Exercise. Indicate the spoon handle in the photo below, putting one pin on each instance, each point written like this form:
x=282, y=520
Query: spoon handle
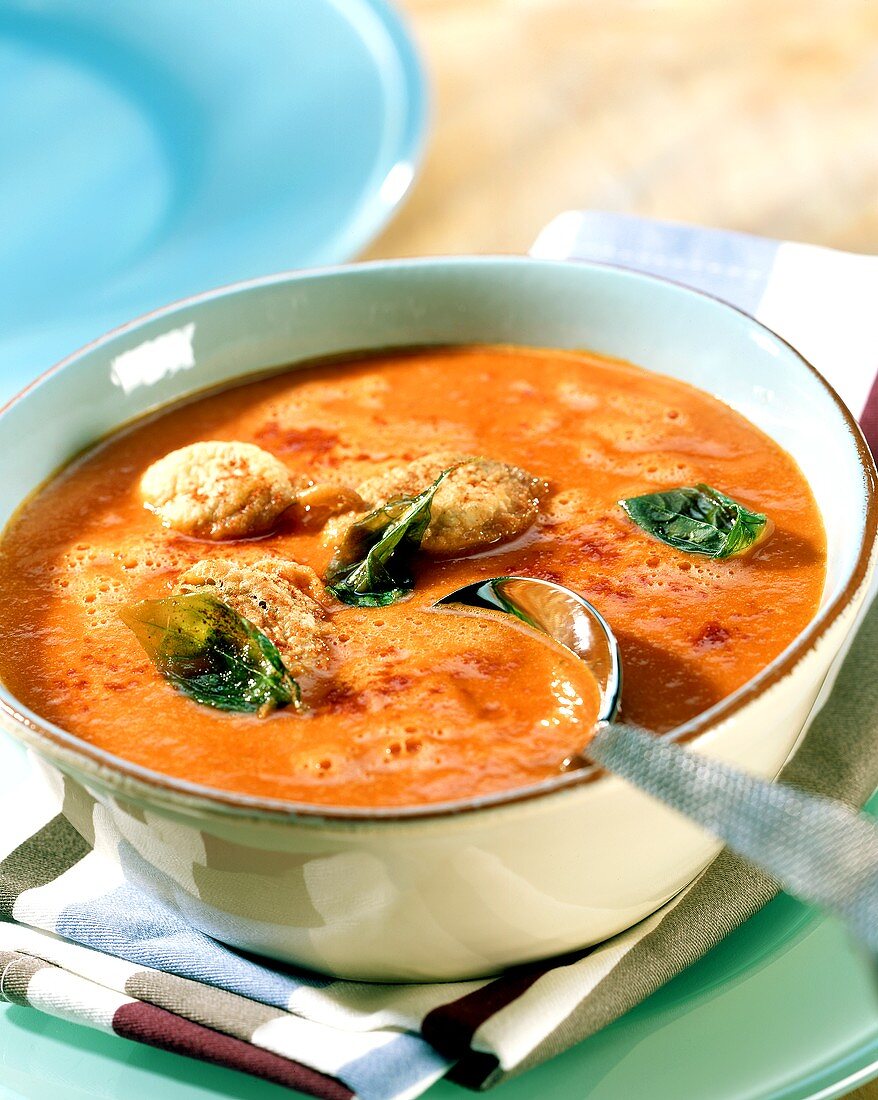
x=820, y=850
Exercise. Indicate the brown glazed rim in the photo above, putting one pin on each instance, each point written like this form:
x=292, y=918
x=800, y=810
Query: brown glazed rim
x=140, y=782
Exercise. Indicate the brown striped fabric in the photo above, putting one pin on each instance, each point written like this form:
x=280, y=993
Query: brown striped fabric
x=202, y=1004
x=869, y=417
x=450, y=1027
x=39, y=860
x=16, y=971
x=158, y=1028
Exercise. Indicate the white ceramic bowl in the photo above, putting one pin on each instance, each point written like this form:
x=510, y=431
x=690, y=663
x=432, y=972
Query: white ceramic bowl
x=468, y=888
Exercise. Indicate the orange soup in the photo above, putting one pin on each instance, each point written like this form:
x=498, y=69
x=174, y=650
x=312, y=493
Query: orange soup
x=403, y=704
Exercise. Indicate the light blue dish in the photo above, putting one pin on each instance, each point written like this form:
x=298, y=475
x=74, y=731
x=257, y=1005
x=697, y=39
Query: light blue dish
x=153, y=150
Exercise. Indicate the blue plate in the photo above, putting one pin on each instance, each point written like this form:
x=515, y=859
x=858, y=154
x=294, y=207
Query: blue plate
x=153, y=150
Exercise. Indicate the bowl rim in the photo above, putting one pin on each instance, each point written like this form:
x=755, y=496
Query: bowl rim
x=67, y=750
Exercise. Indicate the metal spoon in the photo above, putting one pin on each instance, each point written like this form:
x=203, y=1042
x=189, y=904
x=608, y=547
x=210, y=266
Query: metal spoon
x=818, y=849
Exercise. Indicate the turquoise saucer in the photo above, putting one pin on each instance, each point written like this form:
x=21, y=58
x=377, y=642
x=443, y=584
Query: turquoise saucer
x=149, y=151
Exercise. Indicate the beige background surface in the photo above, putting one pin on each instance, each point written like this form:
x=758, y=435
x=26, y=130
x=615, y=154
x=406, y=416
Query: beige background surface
x=760, y=115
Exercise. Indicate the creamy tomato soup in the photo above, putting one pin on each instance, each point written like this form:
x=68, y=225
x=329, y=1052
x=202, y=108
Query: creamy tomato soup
x=248, y=495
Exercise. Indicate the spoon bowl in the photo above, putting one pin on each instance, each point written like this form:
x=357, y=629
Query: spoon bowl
x=562, y=614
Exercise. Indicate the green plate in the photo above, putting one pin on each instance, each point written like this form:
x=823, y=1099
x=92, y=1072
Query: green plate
x=784, y=1009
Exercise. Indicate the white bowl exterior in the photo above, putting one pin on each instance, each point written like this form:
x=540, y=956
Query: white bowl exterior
x=468, y=894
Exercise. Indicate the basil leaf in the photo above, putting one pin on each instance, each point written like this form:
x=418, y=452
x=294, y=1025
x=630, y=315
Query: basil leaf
x=211, y=653
x=698, y=521
x=372, y=567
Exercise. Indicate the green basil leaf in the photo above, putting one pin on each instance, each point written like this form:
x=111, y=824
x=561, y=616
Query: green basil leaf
x=372, y=567
x=211, y=653
x=698, y=521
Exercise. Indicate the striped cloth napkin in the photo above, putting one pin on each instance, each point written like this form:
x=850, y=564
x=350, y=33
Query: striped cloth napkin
x=78, y=942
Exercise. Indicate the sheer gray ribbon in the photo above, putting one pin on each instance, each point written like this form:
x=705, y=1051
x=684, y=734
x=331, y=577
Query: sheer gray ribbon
x=819, y=850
